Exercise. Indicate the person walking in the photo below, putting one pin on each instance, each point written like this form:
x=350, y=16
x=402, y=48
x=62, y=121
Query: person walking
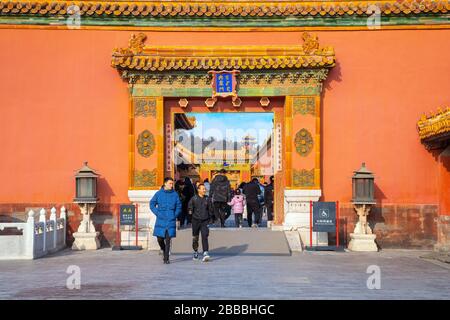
x=166, y=205
x=268, y=201
x=220, y=194
x=179, y=189
x=188, y=193
x=238, y=205
x=199, y=210
x=207, y=186
x=252, y=191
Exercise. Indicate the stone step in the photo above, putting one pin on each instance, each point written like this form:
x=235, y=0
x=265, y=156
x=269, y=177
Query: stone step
x=234, y=241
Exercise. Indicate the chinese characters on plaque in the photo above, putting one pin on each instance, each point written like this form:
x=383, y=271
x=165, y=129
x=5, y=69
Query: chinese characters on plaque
x=224, y=84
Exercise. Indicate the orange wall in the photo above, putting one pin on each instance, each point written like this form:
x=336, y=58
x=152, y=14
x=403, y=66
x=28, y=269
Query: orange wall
x=61, y=103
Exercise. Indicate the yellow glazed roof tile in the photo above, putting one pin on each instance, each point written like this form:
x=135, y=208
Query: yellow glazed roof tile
x=162, y=58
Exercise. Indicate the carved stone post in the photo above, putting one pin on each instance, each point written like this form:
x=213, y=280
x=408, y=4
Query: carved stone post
x=86, y=238
x=362, y=238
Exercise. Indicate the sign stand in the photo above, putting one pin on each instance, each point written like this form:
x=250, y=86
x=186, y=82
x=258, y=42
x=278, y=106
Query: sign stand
x=128, y=216
x=324, y=209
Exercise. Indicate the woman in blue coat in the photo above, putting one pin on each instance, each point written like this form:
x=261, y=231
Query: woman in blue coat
x=166, y=205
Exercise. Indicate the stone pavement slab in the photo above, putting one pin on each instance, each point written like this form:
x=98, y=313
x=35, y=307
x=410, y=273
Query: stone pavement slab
x=235, y=241
x=107, y=274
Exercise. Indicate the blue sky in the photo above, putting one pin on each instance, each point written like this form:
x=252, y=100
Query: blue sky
x=233, y=126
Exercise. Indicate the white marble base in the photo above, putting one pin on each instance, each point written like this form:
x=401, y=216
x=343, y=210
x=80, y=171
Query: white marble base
x=297, y=215
x=146, y=220
x=145, y=239
x=86, y=241
x=294, y=241
x=362, y=242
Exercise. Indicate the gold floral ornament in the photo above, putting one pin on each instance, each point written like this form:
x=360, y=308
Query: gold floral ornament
x=304, y=178
x=145, y=178
x=303, y=142
x=144, y=107
x=304, y=105
x=145, y=143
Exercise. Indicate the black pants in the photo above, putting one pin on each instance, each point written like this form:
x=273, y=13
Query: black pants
x=220, y=211
x=269, y=212
x=238, y=219
x=198, y=227
x=253, y=208
x=164, y=244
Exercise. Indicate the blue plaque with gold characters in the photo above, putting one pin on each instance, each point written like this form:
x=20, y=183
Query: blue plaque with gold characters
x=224, y=83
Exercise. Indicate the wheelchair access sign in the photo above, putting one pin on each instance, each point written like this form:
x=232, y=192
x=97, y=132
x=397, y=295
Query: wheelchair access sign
x=324, y=216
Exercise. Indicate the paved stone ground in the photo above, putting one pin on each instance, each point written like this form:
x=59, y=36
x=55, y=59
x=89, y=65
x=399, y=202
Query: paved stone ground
x=107, y=274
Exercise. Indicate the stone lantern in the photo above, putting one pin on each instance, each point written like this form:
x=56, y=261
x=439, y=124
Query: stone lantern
x=363, y=199
x=86, y=238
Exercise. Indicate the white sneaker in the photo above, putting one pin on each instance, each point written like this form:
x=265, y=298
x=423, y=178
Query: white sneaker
x=206, y=256
x=195, y=256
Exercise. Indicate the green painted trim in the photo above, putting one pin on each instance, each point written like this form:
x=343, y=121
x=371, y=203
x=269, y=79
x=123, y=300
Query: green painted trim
x=236, y=22
x=150, y=91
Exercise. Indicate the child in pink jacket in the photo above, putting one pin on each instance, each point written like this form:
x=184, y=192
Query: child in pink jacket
x=238, y=204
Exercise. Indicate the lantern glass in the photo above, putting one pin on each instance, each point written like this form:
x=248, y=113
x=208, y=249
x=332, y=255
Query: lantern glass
x=363, y=189
x=86, y=187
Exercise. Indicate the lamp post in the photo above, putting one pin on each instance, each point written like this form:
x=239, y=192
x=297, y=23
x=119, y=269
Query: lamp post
x=86, y=238
x=363, y=199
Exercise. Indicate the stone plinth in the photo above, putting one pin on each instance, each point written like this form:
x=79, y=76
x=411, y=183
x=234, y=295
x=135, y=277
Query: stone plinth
x=86, y=241
x=146, y=219
x=297, y=215
x=86, y=238
x=362, y=238
x=362, y=242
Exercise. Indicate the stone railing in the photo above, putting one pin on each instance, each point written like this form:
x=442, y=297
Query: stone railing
x=37, y=239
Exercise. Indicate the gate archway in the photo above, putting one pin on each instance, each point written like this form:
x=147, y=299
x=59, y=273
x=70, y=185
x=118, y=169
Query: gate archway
x=157, y=75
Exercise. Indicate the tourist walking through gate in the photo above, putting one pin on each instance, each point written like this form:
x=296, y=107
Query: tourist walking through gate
x=200, y=211
x=252, y=191
x=238, y=205
x=268, y=201
x=207, y=186
x=188, y=193
x=166, y=205
x=220, y=194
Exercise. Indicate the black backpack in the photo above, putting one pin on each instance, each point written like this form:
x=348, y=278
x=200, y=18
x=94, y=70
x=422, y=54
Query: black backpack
x=221, y=190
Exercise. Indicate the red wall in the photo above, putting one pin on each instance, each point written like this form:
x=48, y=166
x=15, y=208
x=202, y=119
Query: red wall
x=62, y=103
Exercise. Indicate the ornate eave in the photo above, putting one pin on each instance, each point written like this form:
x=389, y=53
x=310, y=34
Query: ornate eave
x=181, y=67
x=434, y=129
x=238, y=14
x=205, y=8
x=137, y=56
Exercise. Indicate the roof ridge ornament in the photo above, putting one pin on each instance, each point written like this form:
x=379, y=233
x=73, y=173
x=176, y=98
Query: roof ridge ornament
x=310, y=43
x=136, y=45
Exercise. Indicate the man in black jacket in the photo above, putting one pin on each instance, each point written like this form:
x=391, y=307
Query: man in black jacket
x=220, y=194
x=268, y=201
x=251, y=191
x=199, y=210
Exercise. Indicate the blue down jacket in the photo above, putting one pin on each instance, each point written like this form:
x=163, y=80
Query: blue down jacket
x=166, y=205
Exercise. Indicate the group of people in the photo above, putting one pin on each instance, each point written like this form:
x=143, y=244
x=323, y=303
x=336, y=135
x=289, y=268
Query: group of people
x=202, y=204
